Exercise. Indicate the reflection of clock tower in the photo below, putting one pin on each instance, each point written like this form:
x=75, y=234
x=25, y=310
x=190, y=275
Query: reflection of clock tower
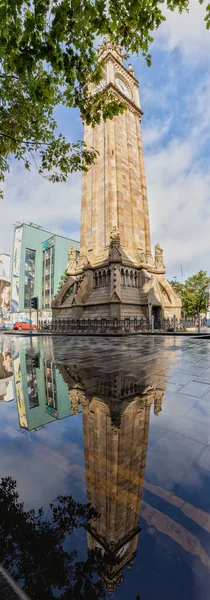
x=116, y=413
x=116, y=274
x=115, y=460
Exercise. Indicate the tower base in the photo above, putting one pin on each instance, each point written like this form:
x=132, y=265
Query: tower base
x=117, y=287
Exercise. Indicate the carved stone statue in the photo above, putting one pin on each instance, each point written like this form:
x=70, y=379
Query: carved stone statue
x=158, y=402
x=159, y=263
x=115, y=235
x=114, y=250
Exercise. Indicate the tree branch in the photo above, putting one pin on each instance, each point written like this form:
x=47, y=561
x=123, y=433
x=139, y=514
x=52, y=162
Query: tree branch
x=9, y=76
x=23, y=141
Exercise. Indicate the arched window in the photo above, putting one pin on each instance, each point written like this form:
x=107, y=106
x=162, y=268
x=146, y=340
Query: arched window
x=131, y=279
x=104, y=278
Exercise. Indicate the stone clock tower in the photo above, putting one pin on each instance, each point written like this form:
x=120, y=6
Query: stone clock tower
x=116, y=275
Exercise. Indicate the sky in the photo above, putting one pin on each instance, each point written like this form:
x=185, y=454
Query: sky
x=174, y=93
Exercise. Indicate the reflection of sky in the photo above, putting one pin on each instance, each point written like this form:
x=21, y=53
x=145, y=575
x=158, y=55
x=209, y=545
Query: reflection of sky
x=45, y=463
x=173, y=559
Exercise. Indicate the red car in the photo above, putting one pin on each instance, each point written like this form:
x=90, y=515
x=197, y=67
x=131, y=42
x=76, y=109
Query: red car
x=23, y=326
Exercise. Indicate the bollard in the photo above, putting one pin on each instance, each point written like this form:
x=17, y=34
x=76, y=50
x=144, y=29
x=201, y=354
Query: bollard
x=174, y=323
x=152, y=323
x=199, y=323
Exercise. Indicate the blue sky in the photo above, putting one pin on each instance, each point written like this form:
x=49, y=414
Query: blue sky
x=174, y=95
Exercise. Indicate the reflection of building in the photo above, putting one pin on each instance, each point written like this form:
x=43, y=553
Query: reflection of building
x=4, y=286
x=116, y=414
x=4, y=266
x=39, y=260
x=117, y=274
x=40, y=391
x=6, y=378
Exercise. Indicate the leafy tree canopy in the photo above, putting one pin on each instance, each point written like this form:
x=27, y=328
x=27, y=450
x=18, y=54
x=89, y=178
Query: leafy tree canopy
x=48, y=57
x=34, y=547
x=63, y=280
x=194, y=293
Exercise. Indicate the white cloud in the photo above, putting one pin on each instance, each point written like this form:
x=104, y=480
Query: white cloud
x=186, y=32
x=179, y=201
x=29, y=197
x=149, y=96
x=154, y=132
x=178, y=181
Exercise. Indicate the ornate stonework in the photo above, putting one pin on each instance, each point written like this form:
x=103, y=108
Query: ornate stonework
x=72, y=262
x=115, y=244
x=159, y=263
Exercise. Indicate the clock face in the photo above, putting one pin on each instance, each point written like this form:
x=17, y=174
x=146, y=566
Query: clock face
x=122, y=86
x=100, y=86
x=122, y=551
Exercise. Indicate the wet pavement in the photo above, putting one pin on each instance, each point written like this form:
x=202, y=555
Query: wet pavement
x=123, y=424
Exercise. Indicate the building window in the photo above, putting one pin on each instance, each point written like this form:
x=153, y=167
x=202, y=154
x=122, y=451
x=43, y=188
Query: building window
x=33, y=397
x=50, y=388
x=48, y=276
x=29, y=280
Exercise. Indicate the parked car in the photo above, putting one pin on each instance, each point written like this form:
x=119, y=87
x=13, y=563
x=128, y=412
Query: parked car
x=5, y=325
x=22, y=326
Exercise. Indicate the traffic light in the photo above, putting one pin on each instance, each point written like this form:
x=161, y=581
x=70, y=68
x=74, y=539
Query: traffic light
x=36, y=361
x=34, y=303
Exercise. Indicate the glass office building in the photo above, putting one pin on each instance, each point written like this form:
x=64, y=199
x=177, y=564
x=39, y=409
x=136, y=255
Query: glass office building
x=38, y=261
x=41, y=394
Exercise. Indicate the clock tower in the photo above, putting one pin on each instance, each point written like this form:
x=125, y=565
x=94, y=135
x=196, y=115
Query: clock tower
x=114, y=196
x=117, y=274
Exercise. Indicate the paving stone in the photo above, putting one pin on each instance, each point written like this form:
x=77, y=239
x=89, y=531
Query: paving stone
x=195, y=389
x=180, y=378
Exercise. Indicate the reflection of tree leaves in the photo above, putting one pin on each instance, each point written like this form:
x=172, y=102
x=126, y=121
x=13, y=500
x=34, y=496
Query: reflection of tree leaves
x=32, y=547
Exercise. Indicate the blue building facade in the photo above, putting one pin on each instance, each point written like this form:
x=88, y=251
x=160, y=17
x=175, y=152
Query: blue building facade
x=39, y=260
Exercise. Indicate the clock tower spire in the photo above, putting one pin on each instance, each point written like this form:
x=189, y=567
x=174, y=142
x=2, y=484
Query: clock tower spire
x=114, y=189
x=116, y=275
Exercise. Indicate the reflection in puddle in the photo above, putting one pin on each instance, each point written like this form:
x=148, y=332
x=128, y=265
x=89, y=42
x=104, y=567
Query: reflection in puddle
x=6, y=378
x=120, y=392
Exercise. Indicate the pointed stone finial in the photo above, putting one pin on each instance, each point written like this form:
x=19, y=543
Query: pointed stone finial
x=72, y=262
x=130, y=69
x=109, y=46
x=159, y=262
